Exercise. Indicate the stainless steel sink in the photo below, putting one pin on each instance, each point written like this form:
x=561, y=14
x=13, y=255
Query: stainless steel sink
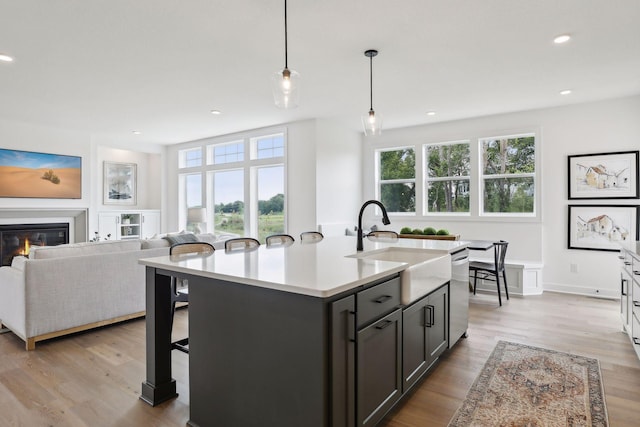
x=426, y=271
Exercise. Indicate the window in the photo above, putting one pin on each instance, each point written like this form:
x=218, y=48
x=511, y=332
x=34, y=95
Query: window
x=447, y=175
x=486, y=176
x=267, y=147
x=270, y=182
x=190, y=158
x=397, y=180
x=192, y=194
x=227, y=189
x=225, y=153
x=243, y=194
x=507, y=174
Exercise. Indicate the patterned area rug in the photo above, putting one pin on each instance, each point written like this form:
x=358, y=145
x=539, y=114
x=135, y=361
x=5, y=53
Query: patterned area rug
x=523, y=386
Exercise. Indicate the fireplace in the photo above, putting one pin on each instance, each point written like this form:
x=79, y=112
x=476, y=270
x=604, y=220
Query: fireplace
x=17, y=239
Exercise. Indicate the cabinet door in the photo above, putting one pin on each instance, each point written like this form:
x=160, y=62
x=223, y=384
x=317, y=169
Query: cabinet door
x=379, y=375
x=150, y=225
x=343, y=372
x=414, y=343
x=108, y=224
x=437, y=325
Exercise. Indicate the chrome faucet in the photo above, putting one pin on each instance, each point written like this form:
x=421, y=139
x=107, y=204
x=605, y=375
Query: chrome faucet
x=385, y=220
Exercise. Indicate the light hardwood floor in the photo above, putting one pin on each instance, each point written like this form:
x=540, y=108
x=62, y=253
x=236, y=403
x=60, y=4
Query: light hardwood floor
x=93, y=378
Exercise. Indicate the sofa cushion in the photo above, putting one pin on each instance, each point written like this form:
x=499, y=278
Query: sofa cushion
x=18, y=262
x=85, y=248
x=154, y=243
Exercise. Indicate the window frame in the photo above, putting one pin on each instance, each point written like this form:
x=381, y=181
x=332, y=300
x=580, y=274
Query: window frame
x=427, y=179
x=534, y=175
x=379, y=182
x=249, y=165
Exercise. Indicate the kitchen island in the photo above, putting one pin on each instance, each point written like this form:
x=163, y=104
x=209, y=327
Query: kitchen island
x=309, y=334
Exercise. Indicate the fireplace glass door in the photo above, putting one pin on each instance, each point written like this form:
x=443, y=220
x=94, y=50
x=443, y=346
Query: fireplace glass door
x=17, y=239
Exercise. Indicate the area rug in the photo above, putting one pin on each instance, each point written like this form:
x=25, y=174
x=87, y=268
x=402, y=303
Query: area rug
x=524, y=386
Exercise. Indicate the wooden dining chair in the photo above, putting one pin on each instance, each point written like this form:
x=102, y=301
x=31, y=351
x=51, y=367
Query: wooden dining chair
x=279, y=240
x=311, y=236
x=492, y=270
x=383, y=235
x=241, y=244
x=181, y=294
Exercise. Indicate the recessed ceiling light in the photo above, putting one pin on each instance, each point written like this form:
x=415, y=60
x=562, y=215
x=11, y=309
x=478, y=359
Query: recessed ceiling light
x=431, y=113
x=565, y=92
x=216, y=112
x=136, y=132
x=563, y=38
x=5, y=58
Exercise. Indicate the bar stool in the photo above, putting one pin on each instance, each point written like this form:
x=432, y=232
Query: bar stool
x=182, y=295
x=311, y=236
x=279, y=240
x=241, y=244
x=383, y=235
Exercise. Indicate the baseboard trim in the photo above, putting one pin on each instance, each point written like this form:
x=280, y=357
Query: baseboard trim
x=581, y=290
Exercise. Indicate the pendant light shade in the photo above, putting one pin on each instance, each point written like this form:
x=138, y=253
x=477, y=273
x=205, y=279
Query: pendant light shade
x=371, y=121
x=286, y=83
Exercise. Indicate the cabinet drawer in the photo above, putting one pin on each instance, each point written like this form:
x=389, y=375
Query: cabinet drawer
x=635, y=295
x=377, y=301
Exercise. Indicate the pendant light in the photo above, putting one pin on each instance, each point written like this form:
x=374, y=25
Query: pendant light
x=371, y=121
x=286, y=83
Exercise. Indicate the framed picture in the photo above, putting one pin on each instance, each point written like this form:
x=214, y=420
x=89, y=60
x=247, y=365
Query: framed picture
x=119, y=183
x=604, y=176
x=602, y=227
x=28, y=174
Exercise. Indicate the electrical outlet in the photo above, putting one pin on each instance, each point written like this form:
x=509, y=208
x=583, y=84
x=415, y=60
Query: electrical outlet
x=574, y=268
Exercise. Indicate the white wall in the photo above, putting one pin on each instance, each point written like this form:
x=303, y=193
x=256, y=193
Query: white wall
x=31, y=137
x=585, y=128
x=338, y=173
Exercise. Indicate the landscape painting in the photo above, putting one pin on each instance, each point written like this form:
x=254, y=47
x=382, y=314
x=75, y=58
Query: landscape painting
x=603, y=227
x=26, y=174
x=604, y=176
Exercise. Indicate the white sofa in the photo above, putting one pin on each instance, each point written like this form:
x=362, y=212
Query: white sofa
x=64, y=289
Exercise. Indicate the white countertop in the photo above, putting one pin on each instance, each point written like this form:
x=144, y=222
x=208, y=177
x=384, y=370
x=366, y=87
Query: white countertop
x=321, y=269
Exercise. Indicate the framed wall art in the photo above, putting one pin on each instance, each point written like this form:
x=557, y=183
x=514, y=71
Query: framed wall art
x=119, y=183
x=602, y=227
x=604, y=176
x=27, y=174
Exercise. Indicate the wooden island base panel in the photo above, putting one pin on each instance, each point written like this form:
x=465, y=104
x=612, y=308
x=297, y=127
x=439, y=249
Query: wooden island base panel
x=296, y=346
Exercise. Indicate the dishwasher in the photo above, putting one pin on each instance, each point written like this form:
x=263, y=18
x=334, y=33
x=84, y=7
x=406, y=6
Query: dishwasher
x=459, y=296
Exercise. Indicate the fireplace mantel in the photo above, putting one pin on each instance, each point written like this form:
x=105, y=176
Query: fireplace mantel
x=78, y=219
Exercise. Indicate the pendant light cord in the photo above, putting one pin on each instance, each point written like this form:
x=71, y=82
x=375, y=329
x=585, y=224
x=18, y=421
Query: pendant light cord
x=371, y=81
x=286, y=64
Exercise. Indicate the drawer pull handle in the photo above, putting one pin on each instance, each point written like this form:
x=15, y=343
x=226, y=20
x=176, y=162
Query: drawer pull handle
x=621, y=256
x=636, y=341
x=622, y=291
x=429, y=316
x=636, y=272
x=384, y=324
x=382, y=299
x=636, y=303
x=627, y=263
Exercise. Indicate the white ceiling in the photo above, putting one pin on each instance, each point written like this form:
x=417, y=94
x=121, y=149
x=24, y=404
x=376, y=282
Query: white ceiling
x=160, y=66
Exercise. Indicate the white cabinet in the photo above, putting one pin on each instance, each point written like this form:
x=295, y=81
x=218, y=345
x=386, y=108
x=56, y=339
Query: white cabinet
x=630, y=296
x=121, y=225
x=149, y=224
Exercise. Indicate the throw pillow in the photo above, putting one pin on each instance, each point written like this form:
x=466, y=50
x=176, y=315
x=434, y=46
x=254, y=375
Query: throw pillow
x=181, y=238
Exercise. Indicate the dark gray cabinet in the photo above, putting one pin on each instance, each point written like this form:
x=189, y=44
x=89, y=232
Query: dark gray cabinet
x=425, y=334
x=343, y=374
x=379, y=348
